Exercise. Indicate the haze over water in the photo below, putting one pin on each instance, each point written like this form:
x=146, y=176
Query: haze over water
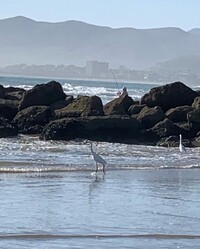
x=50, y=197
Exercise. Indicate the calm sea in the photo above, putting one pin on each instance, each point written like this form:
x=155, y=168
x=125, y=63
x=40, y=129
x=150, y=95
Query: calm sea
x=51, y=198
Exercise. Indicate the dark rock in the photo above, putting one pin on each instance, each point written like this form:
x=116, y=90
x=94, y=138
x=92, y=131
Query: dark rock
x=60, y=104
x=135, y=109
x=13, y=89
x=187, y=130
x=42, y=95
x=148, y=117
x=34, y=129
x=196, y=103
x=102, y=128
x=32, y=118
x=84, y=117
x=146, y=137
x=194, y=116
x=184, y=125
x=118, y=106
x=14, y=93
x=172, y=139
x=169, y=96
x=2, y=92
x=166, y=128
x=178, y=114
x=193, y=129
x=83, y=106
x=69, y=99
x=8, y=108
x=195, y=142
x=7, y=129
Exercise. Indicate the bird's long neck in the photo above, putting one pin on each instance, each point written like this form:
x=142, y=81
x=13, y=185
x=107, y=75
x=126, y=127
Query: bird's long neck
x=180, y=139
x=91, y=148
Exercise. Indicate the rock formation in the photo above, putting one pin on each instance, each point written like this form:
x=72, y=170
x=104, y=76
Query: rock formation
x=158, y=118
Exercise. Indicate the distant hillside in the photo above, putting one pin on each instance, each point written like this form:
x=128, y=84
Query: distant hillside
x=23, y=40
x=189, y=64
x=195, y=31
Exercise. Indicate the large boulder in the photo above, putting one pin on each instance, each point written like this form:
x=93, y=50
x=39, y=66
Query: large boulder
x=60, y=104
x=7, y=129
x=14, y=93
x=8, y=108
x=32, y=119
x=169, y=96
x=166, y=128
x=179, y=114
x=118, y=106
x=102, y=128
x=2, y=91
x=44, y=95
x=194, y=116
x=135, y=109
x=148, y=117
x=82, y=106
x=196, y=103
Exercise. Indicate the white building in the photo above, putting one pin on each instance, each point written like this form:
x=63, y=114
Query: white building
x=97, y=69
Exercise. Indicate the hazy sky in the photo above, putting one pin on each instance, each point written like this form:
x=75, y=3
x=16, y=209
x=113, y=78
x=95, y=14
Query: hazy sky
x=112, y=13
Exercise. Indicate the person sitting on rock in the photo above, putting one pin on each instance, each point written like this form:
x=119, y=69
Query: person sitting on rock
x=124, y=91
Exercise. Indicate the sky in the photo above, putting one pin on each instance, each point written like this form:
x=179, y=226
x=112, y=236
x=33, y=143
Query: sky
x=141, y=14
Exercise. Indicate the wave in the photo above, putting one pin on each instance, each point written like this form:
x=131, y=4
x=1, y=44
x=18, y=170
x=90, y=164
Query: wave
x=105, y=92
x=20, y=168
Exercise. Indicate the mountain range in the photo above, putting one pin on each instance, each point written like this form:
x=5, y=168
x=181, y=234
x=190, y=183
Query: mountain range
x=23, y=40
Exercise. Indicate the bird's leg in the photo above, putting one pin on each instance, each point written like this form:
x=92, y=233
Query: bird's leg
x=104, y=169
x=96, y=167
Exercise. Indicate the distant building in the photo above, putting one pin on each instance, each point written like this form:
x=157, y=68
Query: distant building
x=97, y=69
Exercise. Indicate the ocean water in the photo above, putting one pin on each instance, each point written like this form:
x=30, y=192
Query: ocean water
x=106, y=90
x=51, y=198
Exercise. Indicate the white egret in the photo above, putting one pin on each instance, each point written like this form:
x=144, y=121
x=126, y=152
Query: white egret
x=98, y=159
x=181, y=146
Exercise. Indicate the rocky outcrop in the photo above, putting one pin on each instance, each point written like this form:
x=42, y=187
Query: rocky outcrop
x=60, y=105
x=148, y=117
x=166, y=128
x=8, y=108
x=164, y=112
x=179, y=114
x=196, y=103
x=194, y=116
x=118, y=106
x=44, y=94
x=82, y=106
x=2, y=92
x=14, y=93
x=31, y=120
x=135, y=109
x=7, y=129
x=107, y=128
x=169, y=96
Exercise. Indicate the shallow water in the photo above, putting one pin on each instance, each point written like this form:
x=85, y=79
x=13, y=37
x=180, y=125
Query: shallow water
x=149, y=197
x=51, y=198
x=124, y=209
x=28, y=153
